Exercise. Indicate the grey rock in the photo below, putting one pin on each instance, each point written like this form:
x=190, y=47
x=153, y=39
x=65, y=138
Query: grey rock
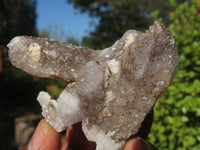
x=111, y=90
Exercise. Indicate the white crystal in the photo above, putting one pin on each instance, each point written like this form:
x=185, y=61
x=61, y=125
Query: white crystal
x=103, y=141
x=61, y=113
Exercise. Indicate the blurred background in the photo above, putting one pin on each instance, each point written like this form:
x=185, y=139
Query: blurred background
x=97, y=24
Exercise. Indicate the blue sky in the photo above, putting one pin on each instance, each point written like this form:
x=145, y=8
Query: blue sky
x=61, y=16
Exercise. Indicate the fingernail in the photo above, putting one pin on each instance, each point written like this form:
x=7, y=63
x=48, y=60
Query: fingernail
x=37, y=139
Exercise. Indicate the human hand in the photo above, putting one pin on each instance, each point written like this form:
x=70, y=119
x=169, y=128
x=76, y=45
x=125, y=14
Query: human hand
x=46, y=138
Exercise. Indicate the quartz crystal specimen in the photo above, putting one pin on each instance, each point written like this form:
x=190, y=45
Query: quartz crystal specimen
x=111, y=90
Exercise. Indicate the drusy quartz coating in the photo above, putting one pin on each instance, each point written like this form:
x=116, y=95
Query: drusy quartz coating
x=111, y=90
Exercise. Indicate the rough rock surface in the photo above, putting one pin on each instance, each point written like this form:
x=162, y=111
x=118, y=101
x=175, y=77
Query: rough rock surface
x=111, y=91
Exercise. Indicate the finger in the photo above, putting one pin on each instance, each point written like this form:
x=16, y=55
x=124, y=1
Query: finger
x=138, y=143
x=76, y=140
x=24, y=148
x=45, y=138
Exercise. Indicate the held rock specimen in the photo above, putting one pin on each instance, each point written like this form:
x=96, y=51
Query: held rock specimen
x=111, y=90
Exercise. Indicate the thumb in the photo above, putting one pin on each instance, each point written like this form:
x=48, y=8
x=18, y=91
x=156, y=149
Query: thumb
x=45, y=137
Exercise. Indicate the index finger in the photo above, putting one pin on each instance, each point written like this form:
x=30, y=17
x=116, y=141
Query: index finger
x=44, y=137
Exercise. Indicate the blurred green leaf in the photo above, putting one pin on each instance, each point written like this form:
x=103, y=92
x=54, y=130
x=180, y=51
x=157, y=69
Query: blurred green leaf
x=184, y=119
x=189, y=141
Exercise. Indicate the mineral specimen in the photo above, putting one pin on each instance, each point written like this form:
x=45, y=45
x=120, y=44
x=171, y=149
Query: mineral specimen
x=111, y=90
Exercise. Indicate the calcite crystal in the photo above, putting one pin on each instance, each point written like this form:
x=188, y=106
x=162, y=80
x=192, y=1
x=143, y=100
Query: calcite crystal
x=110, y=91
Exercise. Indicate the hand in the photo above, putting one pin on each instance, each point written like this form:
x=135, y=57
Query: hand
x=46, y=138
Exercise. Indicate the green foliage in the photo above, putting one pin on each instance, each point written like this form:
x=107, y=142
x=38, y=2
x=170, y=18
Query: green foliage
x=156, y=14
x=177, y=112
